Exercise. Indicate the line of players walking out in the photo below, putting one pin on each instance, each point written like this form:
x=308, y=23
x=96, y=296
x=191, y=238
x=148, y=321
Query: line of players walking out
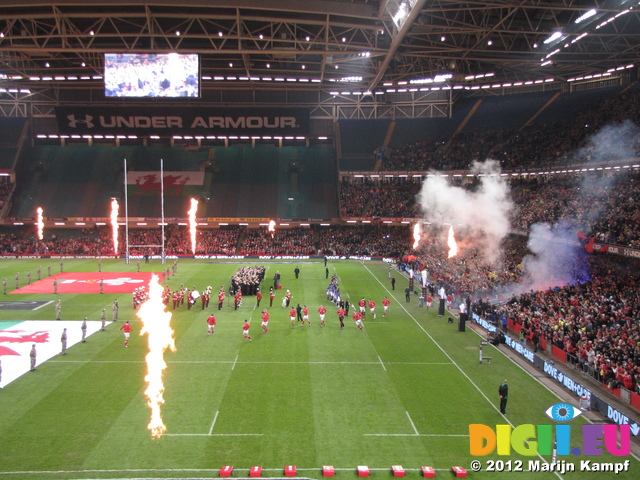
x=299, y=313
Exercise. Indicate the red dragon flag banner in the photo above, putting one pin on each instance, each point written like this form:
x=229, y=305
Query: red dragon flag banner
x=175, y=183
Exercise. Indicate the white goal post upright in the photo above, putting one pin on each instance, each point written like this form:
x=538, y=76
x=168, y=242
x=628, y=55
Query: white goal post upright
x=164, y=257
x=126, y=214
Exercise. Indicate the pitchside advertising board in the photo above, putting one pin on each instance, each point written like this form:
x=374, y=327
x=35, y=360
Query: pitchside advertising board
x=163, y=121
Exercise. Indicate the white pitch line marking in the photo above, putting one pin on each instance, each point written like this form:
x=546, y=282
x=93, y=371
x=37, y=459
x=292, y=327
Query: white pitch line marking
x=447, y=355
x=420, y=363
x=43, y=305
x=413, y=425
x=383, y=367
x=212, y=435
x=197, y=470
x=410, y=435
x=234, y=363
x=214, y=422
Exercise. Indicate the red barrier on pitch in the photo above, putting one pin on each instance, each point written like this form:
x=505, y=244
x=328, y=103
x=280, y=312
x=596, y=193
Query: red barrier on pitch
x=89, y=282
x=363, y=471
x=428, y=472
x=328, y=471
x=290, y=471
x=226, y=471
x=398, y=471
x=255, y=471
x=459, y=472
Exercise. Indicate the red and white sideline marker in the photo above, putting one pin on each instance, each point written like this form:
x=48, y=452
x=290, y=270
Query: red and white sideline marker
x=398, y=471
x=459, y=472
x=256, y=471
x=363, y=471
x=428, y=472
x=226, y=471
x=328, y=471
x=290, y=471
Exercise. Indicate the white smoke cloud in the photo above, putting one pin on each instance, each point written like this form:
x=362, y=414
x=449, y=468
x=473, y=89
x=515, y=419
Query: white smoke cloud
x=483, y=212
x=612, y=142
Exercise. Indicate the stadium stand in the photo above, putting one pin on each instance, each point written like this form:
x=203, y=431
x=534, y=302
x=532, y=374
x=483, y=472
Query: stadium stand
x=288, y=182
x=362, y=137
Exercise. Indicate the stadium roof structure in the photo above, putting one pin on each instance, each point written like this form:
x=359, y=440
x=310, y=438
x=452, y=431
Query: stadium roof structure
x=317, y=45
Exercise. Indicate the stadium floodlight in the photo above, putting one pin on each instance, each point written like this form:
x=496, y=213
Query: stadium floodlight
x=401, y=14
x=352, y=78
x=553, y=37
x=586, y=15
x=442, y=78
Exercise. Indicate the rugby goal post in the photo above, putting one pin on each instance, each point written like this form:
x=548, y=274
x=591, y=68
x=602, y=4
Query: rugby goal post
x=129, y=246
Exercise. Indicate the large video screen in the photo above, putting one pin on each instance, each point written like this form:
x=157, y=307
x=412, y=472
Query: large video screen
x=151, y=75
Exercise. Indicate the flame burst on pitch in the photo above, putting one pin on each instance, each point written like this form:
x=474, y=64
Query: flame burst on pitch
x=115, y=208
x=156, y=323
x=417, y=233
x=451, y=243
x=193, y=224
x=272, y=227
x=39, y=223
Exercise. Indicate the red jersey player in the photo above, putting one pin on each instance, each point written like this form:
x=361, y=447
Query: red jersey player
x=429, y=301
x=126, y=328
x=245, y=330
x=357, y=317
x=305, y=315
x=362, y=303
x=372, y=308
x=211, y=322
x=265, y=321
x=385, y=305
x=322, y=310
x=292, y=316
x=341, y=314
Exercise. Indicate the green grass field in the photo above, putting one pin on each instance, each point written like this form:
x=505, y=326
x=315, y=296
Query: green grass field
x=402, y=392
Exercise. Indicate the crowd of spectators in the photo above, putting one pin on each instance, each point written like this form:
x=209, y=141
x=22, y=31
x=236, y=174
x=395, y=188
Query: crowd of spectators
x=5, y=191
x=298, y=241
x=595, y=322
x=601, y=207
x=467, y=272
x=99, y=241
x=415, y=157
x=563, y=143
x=373, y=240
x=559, y=142
x=395, y=197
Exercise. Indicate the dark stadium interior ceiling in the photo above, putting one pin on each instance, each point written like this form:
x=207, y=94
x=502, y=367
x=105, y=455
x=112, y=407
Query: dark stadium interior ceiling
x=321, y=44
